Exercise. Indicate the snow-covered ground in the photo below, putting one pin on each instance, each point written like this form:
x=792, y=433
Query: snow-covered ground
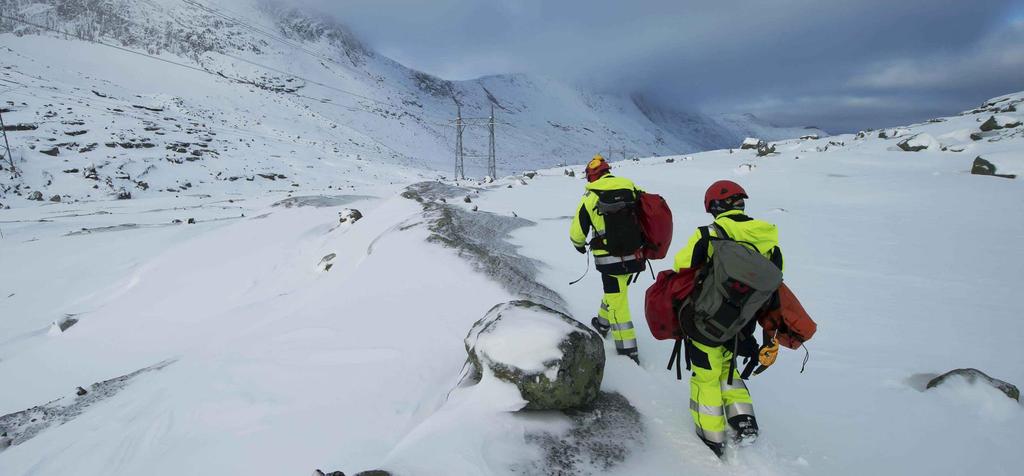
x=268, y=364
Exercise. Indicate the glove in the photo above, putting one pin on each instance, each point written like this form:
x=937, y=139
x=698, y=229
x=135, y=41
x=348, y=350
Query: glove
x=746, y=346
x=582, y=249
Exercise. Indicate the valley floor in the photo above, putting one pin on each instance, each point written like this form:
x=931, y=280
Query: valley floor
x=276, y=366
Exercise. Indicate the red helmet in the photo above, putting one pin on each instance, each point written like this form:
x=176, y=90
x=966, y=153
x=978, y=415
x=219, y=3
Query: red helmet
x=597, y=168
x=722, y=190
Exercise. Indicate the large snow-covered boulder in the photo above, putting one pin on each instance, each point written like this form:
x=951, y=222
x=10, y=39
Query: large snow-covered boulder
x=975, y=376
x=556, y=362
x=751, y=143
x=919, y=142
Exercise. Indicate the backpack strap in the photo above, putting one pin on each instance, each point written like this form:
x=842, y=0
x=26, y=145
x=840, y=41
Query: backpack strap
x=673, y=360
x=732, y=361
x=723, y=235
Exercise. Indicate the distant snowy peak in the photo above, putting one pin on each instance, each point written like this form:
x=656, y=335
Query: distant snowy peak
x=114, y=98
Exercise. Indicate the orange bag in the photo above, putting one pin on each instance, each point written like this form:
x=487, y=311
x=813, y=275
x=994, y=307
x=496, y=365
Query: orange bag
x=789, y=323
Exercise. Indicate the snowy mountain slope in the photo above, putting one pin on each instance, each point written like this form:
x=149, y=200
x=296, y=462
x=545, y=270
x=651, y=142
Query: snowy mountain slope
x=247, y=88
x=280, y=367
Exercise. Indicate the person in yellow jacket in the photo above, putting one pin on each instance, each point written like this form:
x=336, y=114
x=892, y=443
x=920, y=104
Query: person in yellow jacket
x=606, y=209
x=714, y=402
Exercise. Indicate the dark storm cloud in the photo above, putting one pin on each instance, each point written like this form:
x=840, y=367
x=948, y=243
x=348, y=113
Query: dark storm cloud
x=841, y=65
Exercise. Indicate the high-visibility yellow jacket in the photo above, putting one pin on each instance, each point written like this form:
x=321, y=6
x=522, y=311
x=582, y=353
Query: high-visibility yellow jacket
x=739, y=227
x=587, y=217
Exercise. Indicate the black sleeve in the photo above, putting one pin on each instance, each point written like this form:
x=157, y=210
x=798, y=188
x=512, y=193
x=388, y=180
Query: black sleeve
x=584, y=221
x=777, y=257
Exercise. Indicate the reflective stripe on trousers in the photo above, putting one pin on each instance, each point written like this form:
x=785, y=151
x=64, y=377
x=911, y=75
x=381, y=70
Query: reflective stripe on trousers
x=615, y=310
x=712, y=399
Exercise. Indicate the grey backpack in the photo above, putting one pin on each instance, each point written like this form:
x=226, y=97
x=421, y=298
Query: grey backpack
x=735, y=283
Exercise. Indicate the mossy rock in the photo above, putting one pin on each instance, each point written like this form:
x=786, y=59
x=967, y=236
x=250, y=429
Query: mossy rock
x=556, y=362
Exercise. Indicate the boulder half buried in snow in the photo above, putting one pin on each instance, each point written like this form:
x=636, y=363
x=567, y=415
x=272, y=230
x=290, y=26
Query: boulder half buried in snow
x=985, y=167
x=919, y=142
x=556, y=362
x=751, y=143
x=999, y=122
x=975, y=376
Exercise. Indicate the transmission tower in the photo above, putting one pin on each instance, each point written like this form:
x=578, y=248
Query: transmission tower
x=461, y=124
x=460, y=168
x=492, y=166
x=7, y=145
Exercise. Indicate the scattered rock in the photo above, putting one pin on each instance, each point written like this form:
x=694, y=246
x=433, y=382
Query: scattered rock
x=36, y=195
x=670, y=160
x=124, y=194
x=26, y=424
x=91, y=173
x=811, y=137
x=531, y=174
x=81, y=392
x=332, y=473
x=74, y=133
x=154, y=109
x=984, y=135
x=349, y=215
x=556, y=362
x=191, y=221
x=751, y=143
x=569, y=172
x=764, y=149
x=984, y=167
x=476, y=208
x=63, y=324
x=325, y=263
x=55, y=198
x=51, y=152
x=467, y=199
x=918, y=143
x=972, y=376
x=999, y=122
x=20, y=127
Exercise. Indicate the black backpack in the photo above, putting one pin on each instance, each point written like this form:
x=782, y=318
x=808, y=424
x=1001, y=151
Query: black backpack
x=623, y=235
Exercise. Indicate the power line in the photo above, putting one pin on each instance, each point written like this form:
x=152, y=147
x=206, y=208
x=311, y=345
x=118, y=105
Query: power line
x=225, y=16
x=202, y=70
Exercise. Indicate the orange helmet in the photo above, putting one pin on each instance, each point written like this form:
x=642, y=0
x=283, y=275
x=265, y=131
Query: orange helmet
x=597, y=168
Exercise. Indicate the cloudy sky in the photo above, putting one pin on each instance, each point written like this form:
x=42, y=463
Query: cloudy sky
x=842, y=65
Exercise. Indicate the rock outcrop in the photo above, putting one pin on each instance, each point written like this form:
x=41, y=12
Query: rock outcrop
x=974, y=376
x=556, y=362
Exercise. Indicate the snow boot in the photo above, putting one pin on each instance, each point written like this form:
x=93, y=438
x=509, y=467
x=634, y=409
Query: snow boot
x=718, y=448
x=600, y=327
x=745, y=427
x=632, y=354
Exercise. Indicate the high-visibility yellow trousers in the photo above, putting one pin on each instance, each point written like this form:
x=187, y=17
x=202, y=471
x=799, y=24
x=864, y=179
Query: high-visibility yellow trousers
x=614, y=312
x=713, y=401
